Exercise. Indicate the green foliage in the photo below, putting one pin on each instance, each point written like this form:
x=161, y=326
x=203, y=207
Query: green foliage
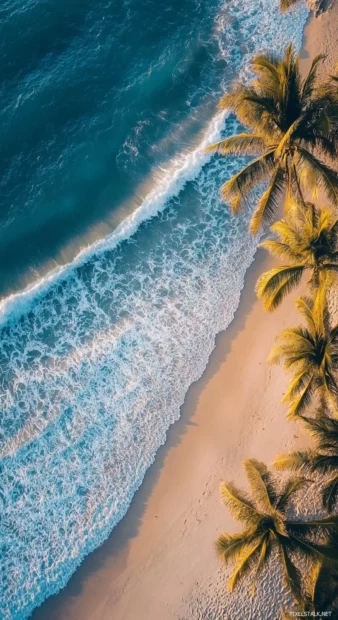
x=311, y=354
x=307, y=239
x=322, y=460
x=293, y=123
x=292, y=128
x=267, y=527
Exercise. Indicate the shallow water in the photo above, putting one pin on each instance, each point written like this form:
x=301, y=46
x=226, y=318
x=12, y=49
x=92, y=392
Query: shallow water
x=105, y=123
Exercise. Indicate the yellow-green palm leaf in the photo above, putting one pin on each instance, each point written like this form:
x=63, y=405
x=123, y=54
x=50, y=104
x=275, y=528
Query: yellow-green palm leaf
x=322, y=460
x=265, y=515
x=292, y=124
x=307, y=239
x=311, y=354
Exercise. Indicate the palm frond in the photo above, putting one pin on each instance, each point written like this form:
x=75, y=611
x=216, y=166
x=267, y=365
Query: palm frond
x=291, y=573
x=296, y=348
x=301, y=402
x=304, y=305
x=320, y=312
x=244, y=564
x=329, y=267
x=287, y=231
x=267, y=67
x=297, y=384
x=240, y=144
x=292, y=486
x=317, y=175
x=274, y=285
x=247, y=178
x=329, y=382
x=287, y=138
x=326, y=522
x=230, y=546
x=263, y=558
x=239, y=504
x=316, y=539
x=284, y=251
x=298, y=533
x=292, y=121
x=296, y=461
x=269, y=201
x=324, y=463
x=254, y=109
x=258, y=476
x=322, y=428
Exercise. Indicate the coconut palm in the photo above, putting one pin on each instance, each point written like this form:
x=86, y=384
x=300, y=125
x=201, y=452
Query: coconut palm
x=308, y=241
x=267, y=527
x=311, y=353
x=293, y=124
x=323, y=459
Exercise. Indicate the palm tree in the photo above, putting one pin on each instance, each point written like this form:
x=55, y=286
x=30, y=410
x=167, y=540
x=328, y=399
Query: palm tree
x=267, y=527
x=311, y=353
x=307, y=240
x=323, y=459
x=293, y=123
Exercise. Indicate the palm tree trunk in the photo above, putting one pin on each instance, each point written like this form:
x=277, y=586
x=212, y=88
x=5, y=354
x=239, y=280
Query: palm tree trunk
x=300, y=193
x=289, y=186
x=314, y=281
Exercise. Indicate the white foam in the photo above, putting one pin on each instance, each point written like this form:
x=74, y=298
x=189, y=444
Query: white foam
x=182, y=169
x=95, y=375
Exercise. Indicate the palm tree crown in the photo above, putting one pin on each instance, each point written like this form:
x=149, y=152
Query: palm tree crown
x=293, y=122
x=311, y=352
x=267, y=527
x=307, y=240
x=323, y=459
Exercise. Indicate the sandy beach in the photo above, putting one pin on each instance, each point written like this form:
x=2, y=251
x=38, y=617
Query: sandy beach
x=160, y=562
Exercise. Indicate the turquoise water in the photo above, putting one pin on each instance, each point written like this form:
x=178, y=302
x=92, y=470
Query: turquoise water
x=104, y=125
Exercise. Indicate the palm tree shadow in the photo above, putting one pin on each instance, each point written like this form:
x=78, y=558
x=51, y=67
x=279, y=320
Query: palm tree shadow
x=327, y=4
x=116, y=546
x=305, y=53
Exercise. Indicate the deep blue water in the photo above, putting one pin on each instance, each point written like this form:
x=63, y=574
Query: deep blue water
x=106, y=108
x=93, y=95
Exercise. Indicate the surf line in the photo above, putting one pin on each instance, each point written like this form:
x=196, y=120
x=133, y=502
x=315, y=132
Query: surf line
x=184, y=168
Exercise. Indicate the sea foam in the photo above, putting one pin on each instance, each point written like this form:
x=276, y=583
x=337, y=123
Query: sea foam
x=97, y=358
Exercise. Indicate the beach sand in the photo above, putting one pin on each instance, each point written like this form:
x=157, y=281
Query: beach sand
x=160, y=561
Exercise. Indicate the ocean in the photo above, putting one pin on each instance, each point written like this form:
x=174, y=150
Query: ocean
x=119, y=262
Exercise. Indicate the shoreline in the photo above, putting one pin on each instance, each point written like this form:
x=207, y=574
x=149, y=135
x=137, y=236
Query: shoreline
x=160, y=557
x=97, y=587
x=95, y=591
x=12, y=306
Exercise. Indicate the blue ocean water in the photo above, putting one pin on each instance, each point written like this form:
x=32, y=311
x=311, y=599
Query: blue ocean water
x=106, y=110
